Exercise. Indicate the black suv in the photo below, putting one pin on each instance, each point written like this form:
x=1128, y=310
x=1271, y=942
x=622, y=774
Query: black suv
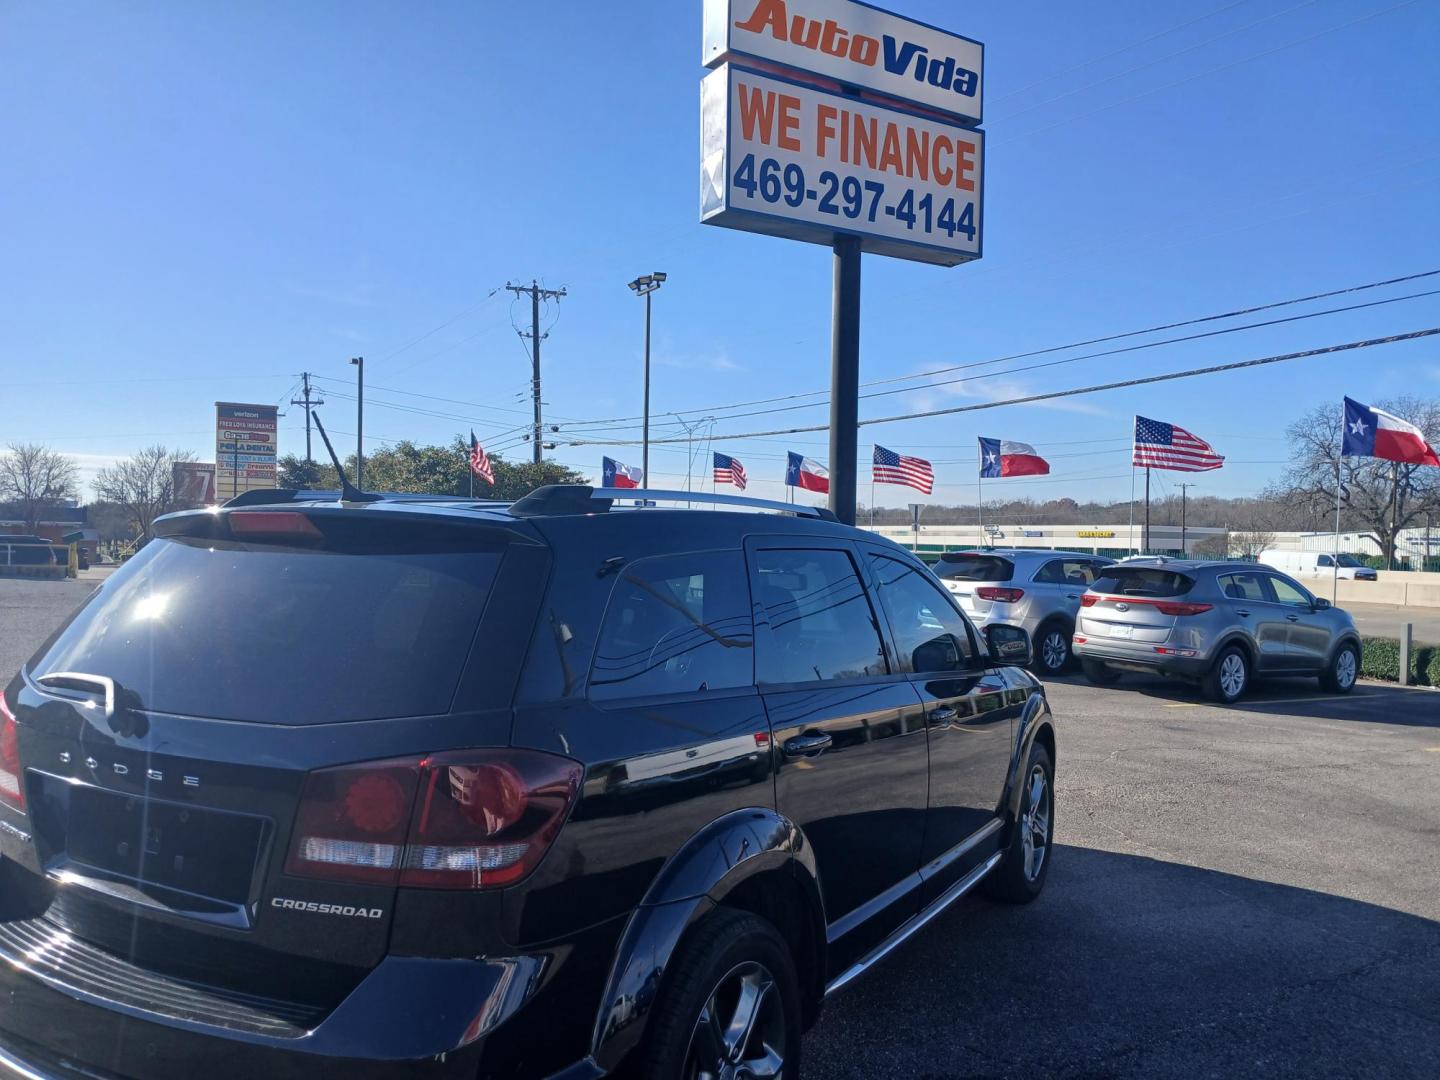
x=417, y=787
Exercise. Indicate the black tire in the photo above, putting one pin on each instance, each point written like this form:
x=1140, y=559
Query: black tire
x=1340, y=677
x=1053, y=657
x=1229, y=677
x=1020, y=877
x=727, y=946
x=1099, y=673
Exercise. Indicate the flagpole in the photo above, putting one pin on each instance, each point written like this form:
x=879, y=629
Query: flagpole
x=1130, y=536
x=1335, y=556
x=1147, y=511
x=980, y=491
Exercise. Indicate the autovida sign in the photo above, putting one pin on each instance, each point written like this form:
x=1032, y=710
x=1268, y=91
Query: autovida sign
x=827, y=118
x=245, y=438
x=793, y=161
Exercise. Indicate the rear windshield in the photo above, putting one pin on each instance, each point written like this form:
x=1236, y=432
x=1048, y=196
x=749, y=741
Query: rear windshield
x=240, y=631
x=959, y=567
x=1141, y=581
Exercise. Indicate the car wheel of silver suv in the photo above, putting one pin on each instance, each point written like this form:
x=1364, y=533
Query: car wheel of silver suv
x=1344, y=670
x=1052, y=649
x=1230, y=677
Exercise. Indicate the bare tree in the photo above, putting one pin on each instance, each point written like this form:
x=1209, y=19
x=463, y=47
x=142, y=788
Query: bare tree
x=35, y=479
x=1378, y=498
x=143, y=485
x=1254, y=523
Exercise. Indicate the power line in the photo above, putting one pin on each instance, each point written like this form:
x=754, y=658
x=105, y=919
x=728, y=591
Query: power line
x=1054, y=394
x=1254, y=309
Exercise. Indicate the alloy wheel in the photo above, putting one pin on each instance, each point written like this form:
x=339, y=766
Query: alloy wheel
x=1346, y=669
x=1232, y=675
x=1054, y=650
x=1035, y=823
x=740, y=1034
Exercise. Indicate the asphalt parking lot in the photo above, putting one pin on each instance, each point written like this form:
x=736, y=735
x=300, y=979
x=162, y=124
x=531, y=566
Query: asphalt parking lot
x=1239, y=891
x=1248, y=891
x=1385, y=620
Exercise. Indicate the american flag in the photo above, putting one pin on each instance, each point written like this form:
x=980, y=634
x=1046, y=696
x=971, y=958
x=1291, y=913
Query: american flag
x=893, y=468
x=480, y=461
x=1159, y=445
x=728, y=470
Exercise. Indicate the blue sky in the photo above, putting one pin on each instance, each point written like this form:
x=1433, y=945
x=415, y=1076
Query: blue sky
x=198, y=202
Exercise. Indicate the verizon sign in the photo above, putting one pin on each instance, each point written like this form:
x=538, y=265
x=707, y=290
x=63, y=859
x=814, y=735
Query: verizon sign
x=856, y=45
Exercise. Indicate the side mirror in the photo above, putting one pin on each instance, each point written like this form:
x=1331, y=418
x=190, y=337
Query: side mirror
x=1009, y=645
x=1321, y=604
x=941, y=653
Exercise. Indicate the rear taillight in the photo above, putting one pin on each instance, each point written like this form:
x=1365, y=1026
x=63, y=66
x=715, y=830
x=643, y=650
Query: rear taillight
x=1088, y=600
x=277, y=524
x=1180, y=608
x=463, y=820
x=1000, y=596
x=12, y=786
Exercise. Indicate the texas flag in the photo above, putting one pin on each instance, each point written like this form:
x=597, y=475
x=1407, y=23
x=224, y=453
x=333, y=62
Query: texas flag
x=807, y=474
x=1001, y=457
x=1371, y=432
x=614, y=474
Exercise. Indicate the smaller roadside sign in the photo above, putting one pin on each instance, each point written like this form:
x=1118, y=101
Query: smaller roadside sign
x=856, y=45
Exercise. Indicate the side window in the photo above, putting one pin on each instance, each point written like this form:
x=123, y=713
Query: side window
x=675, y=625
x=821, y=625
x=1327, y=561
x=929, y=634
x=1244, y=586
x=1292, y=595
x=1077, y=572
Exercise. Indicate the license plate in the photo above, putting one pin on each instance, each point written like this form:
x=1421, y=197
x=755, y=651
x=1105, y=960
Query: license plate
x=1122, y=631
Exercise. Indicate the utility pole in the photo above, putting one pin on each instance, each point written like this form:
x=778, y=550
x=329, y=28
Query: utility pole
x=306, y=400
x=1184, y=490
x=359, y=362
x=536, y=294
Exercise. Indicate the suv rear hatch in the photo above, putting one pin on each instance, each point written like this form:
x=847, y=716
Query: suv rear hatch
x=1135, y=603
x=977, y=579
x=187, y=743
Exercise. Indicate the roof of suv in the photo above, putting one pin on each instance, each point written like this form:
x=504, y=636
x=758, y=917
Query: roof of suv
x=1025, y=553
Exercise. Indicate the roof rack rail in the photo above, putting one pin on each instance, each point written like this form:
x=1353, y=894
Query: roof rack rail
x=579, y=499
x=270, y=496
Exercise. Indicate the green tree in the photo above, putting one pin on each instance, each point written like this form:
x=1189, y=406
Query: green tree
x=410, y=468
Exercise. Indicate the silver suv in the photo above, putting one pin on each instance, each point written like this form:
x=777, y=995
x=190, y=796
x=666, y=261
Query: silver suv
x=1220, y=623
x=1026, y=587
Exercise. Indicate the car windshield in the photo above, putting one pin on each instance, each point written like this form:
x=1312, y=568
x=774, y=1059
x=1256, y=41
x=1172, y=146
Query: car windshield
x=1142, y=581
x=1348, y=560
x=974, y=567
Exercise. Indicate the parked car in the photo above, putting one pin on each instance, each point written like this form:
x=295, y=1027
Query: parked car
x=1036, y=590
x=1222, y=624
x=1305, y=565
x=562, y=788
x=18, y=550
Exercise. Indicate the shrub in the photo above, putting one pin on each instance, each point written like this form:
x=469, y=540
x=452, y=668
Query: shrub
x=1380, y=659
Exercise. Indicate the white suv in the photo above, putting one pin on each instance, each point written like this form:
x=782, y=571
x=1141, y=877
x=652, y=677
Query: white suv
x=1031, y=588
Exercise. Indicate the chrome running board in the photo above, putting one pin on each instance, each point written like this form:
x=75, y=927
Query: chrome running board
x=919, y=922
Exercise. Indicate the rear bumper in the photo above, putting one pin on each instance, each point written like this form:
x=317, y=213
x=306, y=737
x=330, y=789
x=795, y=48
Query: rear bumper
x=1144, y=659
x=410, y=1017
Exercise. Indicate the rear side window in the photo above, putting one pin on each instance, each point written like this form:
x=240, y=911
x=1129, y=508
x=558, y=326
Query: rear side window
x=676, y=625
x=964, y=567
x=1142, y=581
x=1067, y=572
x=821, y=624
x=239, y=631
x=1245, y=586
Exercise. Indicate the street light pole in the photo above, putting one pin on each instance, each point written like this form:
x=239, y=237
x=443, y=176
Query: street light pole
x=359, y=362
x=644, y=286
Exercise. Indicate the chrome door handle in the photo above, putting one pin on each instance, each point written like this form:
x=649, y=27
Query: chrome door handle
x=809, y=745
x=942, y=716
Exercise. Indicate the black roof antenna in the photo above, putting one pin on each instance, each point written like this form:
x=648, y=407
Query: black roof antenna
x=348, y=491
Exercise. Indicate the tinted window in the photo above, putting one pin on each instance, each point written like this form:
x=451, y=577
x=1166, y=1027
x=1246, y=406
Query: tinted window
x=1245, y=586
x=676, y=625
x=1067, y=572
x=1142, y=581
x=1286, y=593
x=930, y=635
x=1350, y=560
x=965, y=567
x=821, y=625
x=1326, y=560
x=235, y=631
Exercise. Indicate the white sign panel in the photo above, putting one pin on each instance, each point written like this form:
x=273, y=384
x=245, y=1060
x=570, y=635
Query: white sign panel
x=855, y=44
x=789, y=160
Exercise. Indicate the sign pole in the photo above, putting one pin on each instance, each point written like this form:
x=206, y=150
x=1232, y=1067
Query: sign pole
x=845, y=377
